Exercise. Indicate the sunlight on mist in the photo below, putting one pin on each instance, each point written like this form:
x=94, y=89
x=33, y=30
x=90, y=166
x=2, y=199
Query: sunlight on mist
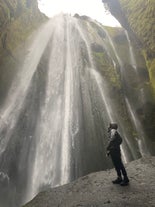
x=94, y=9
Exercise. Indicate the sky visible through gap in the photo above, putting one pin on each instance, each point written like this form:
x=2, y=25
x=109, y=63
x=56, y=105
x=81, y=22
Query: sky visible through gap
x=92, y=8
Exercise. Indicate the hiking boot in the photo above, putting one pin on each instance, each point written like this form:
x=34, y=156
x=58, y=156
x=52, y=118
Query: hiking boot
x=125, y=182
x=117, y=181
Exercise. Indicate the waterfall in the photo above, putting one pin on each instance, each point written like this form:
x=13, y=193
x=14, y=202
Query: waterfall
x=141, y=135
x=131, y=52
x=66, y=132
x=134, y=65
x=141, y=140
x=54, y=120
x=17, y=94
x=137, y=124
x=116, y=59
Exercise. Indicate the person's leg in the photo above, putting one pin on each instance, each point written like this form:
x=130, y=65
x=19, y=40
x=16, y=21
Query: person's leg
x=122, y=168
x=125, y=180
x=118, y=170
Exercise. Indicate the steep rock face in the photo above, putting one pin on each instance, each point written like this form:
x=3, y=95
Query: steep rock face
x=138, y=18
x=18, y=19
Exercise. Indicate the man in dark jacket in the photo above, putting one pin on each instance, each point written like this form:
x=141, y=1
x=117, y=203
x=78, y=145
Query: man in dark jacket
x=113, y=149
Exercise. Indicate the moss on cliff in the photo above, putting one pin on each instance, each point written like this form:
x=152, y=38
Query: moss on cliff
x=17, y=20
x=138, y=17
x=151, y=67
x=106, y=68
x=141, y=17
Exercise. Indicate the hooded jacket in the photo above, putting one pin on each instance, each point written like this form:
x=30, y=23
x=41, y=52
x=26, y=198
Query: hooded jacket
x=114, y=142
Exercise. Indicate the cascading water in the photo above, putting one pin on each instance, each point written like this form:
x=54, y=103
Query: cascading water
x=54, y=120
x=141, y=139
x=49, y=116
x=137, y=124
x=131, y=53
x=116, y=59
x=124, y=75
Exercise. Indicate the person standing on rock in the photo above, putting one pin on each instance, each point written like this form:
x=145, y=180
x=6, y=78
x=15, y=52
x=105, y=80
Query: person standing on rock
x=113, y=149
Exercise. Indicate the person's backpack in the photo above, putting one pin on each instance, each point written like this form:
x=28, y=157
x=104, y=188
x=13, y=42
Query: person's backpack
x=118, y=138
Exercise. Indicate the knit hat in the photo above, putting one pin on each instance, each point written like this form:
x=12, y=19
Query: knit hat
x=113, y=126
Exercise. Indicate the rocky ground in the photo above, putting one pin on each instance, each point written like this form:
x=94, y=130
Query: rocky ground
x=96, y=189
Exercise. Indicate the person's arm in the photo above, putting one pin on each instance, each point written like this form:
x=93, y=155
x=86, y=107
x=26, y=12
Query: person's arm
x=112, y=141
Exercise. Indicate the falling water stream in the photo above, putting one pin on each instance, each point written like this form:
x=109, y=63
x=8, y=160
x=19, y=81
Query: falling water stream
x=136, y=122
x=131, y=52
x=142, y=141
x=48, y=122
x=54, y=120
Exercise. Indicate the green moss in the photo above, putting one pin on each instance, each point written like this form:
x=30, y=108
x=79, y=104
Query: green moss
x=139, y=16
x=17, y=22
x=105, y=66
x=152, y=73
x=21, y=28
x=150, y=63
x=4, y=14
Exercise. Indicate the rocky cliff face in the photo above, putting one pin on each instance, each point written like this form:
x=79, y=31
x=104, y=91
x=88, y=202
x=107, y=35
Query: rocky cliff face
x=138, y=18
x=18, y=19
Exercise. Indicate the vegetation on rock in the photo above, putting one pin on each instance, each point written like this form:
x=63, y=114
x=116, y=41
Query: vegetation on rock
x=138, y=17
x=18, y=19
